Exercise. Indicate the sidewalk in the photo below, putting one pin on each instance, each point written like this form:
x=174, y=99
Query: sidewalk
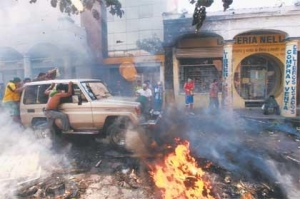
x=256, y=113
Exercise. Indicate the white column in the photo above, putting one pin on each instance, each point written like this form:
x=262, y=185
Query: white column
x=67, y=67
x=289, y=106
x=227, y=75
x=27, y=66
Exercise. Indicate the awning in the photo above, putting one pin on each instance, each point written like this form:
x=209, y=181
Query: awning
x=210, y=52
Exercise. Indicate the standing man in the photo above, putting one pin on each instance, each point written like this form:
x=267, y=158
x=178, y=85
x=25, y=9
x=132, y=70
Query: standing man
x=158, y=96
x=11, y=98
x=189, y=95
x=213, y=94
x=145, y=98
x=51, y=110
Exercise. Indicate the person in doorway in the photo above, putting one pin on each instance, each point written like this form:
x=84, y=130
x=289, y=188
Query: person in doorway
x=213, y=95
x=189, y=87
x=158, y=96
x=137, y=86
x=270, y=106
x=11, y=98
x=149, y=85
x=51, y=110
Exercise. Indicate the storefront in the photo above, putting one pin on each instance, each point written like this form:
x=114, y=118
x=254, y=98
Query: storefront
x=198, y=58
x=258, y=68
x=250, y=62
x=257, y=65
x=122, y=73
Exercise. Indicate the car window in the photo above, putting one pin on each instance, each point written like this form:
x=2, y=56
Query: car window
x=35, y=94
x=77, y=91
x=96, y=90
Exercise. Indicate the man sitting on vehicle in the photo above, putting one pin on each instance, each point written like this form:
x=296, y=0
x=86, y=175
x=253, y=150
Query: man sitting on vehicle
x=51, y=110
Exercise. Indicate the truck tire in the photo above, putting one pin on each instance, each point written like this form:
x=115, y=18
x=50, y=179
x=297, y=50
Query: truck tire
x=41, y=129
x=116, y=133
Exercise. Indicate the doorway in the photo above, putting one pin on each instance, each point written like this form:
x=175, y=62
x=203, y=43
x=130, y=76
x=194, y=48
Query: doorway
x=257, y=77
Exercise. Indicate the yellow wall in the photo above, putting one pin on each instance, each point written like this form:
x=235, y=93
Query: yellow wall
x=244, y=46
x=249, y=45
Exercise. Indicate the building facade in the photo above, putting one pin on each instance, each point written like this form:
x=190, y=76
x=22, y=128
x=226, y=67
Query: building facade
x=36, y=38
x=127, y=62
x=252, y=52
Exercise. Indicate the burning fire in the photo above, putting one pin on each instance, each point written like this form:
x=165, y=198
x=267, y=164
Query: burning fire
x=179, y=176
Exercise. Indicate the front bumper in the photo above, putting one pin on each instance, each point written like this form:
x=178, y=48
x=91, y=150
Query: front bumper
x=151, y=120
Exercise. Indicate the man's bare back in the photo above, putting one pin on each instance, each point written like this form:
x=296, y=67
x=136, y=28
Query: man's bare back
x=54, y=100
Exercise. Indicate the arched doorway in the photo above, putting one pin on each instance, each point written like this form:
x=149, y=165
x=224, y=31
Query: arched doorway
x=257, y=77
x=258, y=64
x=198, y=57
x=11, y=64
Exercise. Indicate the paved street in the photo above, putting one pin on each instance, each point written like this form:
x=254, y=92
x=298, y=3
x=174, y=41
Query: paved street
x=262, y=154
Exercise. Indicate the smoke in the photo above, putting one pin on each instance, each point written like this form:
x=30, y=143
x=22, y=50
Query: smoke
x=286, y=181
x=23, y=157
x=243, y=147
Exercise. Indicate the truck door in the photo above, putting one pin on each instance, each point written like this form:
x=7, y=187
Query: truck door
x=80, y=114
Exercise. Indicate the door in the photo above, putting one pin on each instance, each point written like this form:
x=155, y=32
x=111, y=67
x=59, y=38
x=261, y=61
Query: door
x=258, y=84
x=80, y=116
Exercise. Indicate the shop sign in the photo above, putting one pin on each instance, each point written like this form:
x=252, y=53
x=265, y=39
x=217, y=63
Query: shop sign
x=290, y=80
x=259, y=39
x=227, y=77
x=225, y=64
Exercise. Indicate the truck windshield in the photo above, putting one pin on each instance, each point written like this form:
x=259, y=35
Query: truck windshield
x=96, y=90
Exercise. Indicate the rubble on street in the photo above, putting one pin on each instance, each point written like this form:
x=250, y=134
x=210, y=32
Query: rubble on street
x=89, y=168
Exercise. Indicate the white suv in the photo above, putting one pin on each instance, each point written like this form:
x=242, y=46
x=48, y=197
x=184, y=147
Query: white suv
x=91, y=109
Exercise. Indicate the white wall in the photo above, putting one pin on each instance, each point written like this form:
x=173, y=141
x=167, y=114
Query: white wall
x=23, y=25
x=14, y=12
x=141, y=20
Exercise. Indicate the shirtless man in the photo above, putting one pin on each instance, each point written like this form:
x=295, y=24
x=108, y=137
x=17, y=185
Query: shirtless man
x=51, y=110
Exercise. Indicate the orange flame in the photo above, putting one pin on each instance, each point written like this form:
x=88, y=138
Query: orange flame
x=179, y=176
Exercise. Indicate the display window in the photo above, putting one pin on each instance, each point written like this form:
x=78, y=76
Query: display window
x=201, y=71
x=257, y=77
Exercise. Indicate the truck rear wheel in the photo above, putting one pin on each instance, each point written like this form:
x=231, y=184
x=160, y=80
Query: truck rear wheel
x=41, y=130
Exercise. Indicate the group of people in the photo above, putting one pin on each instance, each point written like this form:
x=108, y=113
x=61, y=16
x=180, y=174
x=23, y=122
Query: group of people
x=270, y=105
x=149, y=96
x=189, y=87
x=11, y=94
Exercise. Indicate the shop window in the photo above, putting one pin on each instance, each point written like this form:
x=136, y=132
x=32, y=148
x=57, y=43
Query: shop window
x=201, y=71
x=257, y=77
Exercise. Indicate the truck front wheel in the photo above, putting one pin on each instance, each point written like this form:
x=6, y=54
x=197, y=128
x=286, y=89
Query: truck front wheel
x=117, y=133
